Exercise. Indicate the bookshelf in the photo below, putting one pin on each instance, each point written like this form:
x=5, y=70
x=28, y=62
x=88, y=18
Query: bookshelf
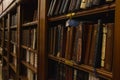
x=18, y=31
x=76, y=48
x=37, y=44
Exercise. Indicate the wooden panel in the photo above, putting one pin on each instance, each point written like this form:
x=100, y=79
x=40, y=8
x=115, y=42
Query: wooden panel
x=116, y=55
x=42, y=56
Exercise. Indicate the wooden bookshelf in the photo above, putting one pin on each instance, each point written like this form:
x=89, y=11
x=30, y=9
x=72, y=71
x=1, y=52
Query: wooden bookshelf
x=32, y=15
x=59, y=20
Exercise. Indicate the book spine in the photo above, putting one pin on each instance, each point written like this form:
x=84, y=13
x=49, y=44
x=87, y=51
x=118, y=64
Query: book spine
x=97, y=58
x=109, y=47
x=103, y=46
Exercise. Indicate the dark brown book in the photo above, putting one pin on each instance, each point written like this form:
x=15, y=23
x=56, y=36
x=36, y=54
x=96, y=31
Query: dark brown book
x=58, y=7
x=93, y=44
x=87, y=36
x=78, y=43
x=109, y=47
x=69, y=43
x=69, y=73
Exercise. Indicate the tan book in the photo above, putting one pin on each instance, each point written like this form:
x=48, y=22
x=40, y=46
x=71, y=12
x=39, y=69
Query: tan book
x=103, y=46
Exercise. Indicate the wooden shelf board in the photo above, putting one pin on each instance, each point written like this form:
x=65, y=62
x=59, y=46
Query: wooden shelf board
x=1, y=29
x=13, y=27
x=30, y=23
x=28, y=48
x=13, y=54
x=83, y=67
x=103, y=8
x=13, y=42
x=29, y=66
x=13, y=67
x=6, y=40
x=5, y=58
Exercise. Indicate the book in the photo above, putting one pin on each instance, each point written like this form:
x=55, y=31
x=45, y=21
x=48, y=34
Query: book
x=87, y=39
x=97, y=55
x=96, y=2
x=109, y=47
x=78, y=4
x=50, y=7
x=83, y=4
x=103, y=45
x=93, y=43
x=58, y=7
x=35, y=57
x=62, y=6
x=65, y=8
x=27, y=56
x=53, y=7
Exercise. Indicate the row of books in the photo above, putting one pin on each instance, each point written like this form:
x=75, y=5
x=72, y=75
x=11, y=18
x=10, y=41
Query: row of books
x=29, y=38
x=13, y=19
x=57, y=7
x=31, y=75
x=63, y=72
x=29, y=57
x=13, y=36
x=6, y=34
x=88, y=42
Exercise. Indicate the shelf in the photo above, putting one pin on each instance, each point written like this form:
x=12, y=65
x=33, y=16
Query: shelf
x=13, y=54
x=13, y=67
x=5, y=58
x=30, y=23
x=103, y=8
x=13, y=27
x=6, y=40
x=29, y=66
x=6, y=28
x=28, y=48
x=83, y=67
x=14, y=43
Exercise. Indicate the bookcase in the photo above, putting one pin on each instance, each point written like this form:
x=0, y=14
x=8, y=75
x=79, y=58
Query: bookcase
x=82, y=38
x=19, y=40
x=60, y=39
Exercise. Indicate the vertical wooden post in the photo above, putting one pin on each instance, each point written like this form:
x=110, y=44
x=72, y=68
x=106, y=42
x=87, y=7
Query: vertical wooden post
x=42, y=55
x=116, y=55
